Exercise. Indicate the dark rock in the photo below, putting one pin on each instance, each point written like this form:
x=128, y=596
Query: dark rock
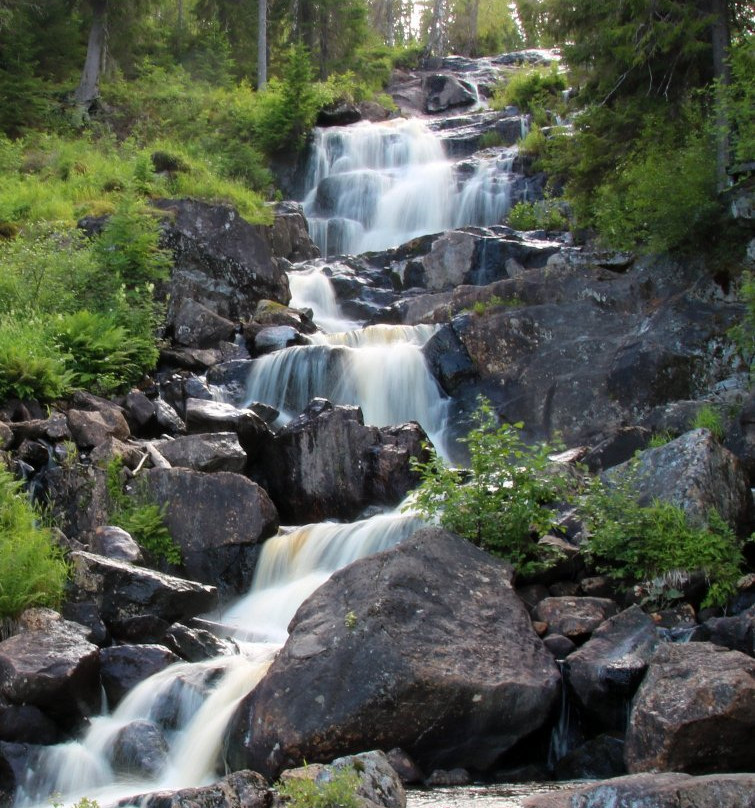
x=694, y=712
x=112, y=448
x=6, y=436
x=25, y=723
x=122, y=591
x=620, y=446
x=598, y=586
x=220, y=260
x=114, y=542
x=559, y=645
x=138, y=750
x=694, y=472
x=607, y=670
x=445, y=91
x=217, y=520
x=736, y=633
x=53, y=668
x=289, y=235
x=197, y=644
x=446, y=777
x=574, y=617
x=142, y=628
x=217, y=451
x=532, y=594
x=275, y=338
x=338, y=115
x=125, y=666
x=90, y=429
x=655, y=791
x=242, y=789
x=140, y=411
x=196, y=326
x=87, y=615
x=441, y=661
x=15, y=761
x=405, y=767
x=168, y=420
x=596, y=759
x=448, y=360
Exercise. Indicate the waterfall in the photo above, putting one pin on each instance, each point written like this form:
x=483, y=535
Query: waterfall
x=193, y=702
x=375, y=186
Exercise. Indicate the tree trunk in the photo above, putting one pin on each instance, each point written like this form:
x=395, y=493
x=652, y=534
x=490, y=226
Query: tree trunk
x=720, y=38
x=261, y=44
x=89, y=85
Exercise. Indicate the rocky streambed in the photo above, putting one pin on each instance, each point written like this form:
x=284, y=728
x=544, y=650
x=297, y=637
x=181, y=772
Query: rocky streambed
x=265, y=648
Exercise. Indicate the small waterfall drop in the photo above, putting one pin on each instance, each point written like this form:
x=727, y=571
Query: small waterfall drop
x=375, y=186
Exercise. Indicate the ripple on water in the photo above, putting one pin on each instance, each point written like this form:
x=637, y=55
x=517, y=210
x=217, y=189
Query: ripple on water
x=498, y=795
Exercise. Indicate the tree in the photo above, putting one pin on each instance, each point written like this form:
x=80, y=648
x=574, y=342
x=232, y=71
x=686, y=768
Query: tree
x=88, y=89
x=261, y=44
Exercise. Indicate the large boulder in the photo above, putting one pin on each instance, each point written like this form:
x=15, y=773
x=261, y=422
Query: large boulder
x=655, y=791
x=54, y=668
x=445, y=91
x=122, y=591
x=328, y=464
x=695, y=472
x=424, y=646
x=220, y=260
x=217, y=520
x=243, y=789
x=694, y=712
x=125, y=666
x=575, y=618
x=607, y=670
x=139, y=749
x=217, y=451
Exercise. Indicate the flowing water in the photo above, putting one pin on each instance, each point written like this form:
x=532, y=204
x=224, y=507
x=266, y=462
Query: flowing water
x=375, y=186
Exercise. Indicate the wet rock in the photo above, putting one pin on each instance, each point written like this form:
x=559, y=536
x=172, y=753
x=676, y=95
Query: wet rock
x=196, y=326
x=289, y=235
x=405, y=767
x=575, y=618
x=197, y=644
x=139, y=750
x=448, y=777
x=53, y=668
x=618, y=447
x=15, y=761
x=441, y=659
x=443, y=92
x=328, y=464
x=736, y=633
x=655, y=791
x=275, y=338
x=598, y=758
x=559, y=645
x=87, y=615
x=217, y=451
x=114, y=542
x=694, y=712
x=121, y=591
x=25, y=723
x=220, y=260
x=695, y=472
x=217, y=520
x=338, y=115
x=448, y=360
x=242, y=789
x=607, y=670
x=168, y=420
x=125, y=666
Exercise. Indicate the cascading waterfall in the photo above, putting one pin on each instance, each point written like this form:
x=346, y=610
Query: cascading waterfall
x=193, y=702
x=375, y=186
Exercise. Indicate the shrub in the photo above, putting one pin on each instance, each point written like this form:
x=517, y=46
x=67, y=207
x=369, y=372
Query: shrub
x=335, y=788
x=707, y=417
x=530, y=91
x=503, y=500
x=647, y=544
x=144, y=520
x=32, y=569
x=743, y=333
x=542, y=215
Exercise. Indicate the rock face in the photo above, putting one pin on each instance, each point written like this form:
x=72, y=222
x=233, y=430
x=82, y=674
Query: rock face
x=694, y=712
x=424, y=646
x=220, y=260
x=217, y=520
x=656, y=791
x=53, y=668
x=328, y=464
x=238, y=790
x=606, y=671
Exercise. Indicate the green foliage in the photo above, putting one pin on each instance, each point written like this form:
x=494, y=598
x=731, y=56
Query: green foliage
x=32, y=569
x=140, y=517
x=531, y=91
x=30, y=365
x=482, y=306
x=544, y=214
x=638, y=544
x=503, y=500
x=743, y=333
x=738, y=98
x=707, y=417
x=660, y=439
x=334, y=788
x=533, y=144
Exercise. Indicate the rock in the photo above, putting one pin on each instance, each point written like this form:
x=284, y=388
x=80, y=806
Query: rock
x=575, y=618
x=328, y=464
x=90, y=429
x=694, y=712
x=455, y=680
x=559, y=645
x=88, y=616
x=338, y=115
x=217, y=520
x=6, y=436
x=668, y=790
x=113, y=542
x=53, y=668
x=138, y=750
x=695, y=472
x=618, y=447
x=220, y=260
x=125, y=666
x=607, y=670
x=289, y=235
x=25, y=723
x=218, y=451
x=121, y=591
x=52, y=429
x=275, y=338
x=112, y=448
x=405, y=767
x=140, y=412
x=736, y=633
x=452, y=777
x=168, y=420
x=197, y=644
x=16, y=759
x=443, y=92
x=196, y=326
x=598, y=758
x=242, y=789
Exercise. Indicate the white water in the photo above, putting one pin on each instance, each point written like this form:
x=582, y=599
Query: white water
x=200, y=698
x=375, y=186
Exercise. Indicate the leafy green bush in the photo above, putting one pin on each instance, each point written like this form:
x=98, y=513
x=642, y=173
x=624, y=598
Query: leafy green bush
x=30, y=364
x=642, y=544
x=32, y=569
x=335, y=789
x=503, y=500
x=144, y=520
x=530, y=91
x=541, y=215
x=743, y=333
x=707, y=417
